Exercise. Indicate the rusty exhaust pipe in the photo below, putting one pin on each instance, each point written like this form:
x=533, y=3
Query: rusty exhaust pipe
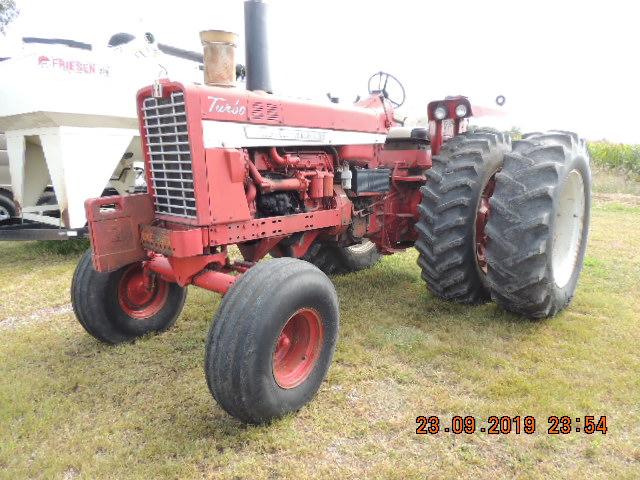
x=219, y=57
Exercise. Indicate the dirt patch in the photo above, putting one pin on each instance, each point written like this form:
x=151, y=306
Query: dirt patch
x=624, y=198
x=39, y=316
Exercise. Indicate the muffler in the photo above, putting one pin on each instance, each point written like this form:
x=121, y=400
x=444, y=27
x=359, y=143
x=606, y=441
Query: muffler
x=257, y=48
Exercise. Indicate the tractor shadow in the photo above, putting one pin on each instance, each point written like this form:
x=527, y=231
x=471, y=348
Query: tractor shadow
x=399, y=293
x=391, y=303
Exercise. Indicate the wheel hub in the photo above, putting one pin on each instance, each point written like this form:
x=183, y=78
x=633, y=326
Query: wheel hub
x=482, y=217
x=568, y=225
x=139, y=296
x=4, y=214
x=298, y=348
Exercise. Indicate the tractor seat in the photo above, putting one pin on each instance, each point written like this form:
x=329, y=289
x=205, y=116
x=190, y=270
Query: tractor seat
x=408, y=134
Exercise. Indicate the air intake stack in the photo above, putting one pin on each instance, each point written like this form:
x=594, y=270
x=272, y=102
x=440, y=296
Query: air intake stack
x=257, y=51
x=219, y=57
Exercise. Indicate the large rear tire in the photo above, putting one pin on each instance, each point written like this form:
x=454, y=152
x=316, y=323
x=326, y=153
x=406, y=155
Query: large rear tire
x=453, y=214
x=539, y=224
x=272, y=341
x=117, y=307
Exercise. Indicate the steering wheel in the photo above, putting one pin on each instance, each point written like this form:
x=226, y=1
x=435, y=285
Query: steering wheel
x=392, y=91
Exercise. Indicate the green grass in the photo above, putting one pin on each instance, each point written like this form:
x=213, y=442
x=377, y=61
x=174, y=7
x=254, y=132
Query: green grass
x=71, y=407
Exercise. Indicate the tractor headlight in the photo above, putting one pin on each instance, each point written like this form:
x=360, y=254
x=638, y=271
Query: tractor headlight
x=440, y=112
x=461, y=110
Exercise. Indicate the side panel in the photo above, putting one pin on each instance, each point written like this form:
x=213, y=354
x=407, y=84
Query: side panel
x=226, y=174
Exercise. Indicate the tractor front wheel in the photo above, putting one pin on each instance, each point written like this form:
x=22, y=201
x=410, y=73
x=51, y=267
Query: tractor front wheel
x=272, y=341
x=120, y=306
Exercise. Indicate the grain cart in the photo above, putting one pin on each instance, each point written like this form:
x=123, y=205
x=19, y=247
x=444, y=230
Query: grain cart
x=310, y=184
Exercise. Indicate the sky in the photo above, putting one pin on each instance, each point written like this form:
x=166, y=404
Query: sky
x=560, y=64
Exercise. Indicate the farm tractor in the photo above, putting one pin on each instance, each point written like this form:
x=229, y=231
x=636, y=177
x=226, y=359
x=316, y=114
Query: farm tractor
x=321, y=188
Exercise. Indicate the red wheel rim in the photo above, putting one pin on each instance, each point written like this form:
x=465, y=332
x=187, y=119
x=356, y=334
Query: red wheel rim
x=298, y=348
x=482, y=216
x=141, y=297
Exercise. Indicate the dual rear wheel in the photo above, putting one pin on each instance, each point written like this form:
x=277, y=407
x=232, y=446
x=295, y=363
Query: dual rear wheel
x=507, y=223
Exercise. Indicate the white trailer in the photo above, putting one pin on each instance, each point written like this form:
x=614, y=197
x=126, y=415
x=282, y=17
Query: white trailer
x=69, y=115
x=7, y=207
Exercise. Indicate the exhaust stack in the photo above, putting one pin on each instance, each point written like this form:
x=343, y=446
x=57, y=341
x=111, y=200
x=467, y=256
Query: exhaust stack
x=257, y=51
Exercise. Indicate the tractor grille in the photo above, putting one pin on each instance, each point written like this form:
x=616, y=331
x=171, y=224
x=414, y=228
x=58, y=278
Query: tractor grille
x=165, y=122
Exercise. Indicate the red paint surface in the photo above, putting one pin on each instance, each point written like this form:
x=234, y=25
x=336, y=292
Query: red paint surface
x=298, y=348
x=140, y=297
x=229, y=182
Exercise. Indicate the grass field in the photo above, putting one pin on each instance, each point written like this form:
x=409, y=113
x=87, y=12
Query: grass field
x=616, y=169
x=73, y=408
x=618, y=157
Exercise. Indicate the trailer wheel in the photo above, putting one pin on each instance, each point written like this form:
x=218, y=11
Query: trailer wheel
x=453, y=214
x=335, y=260
x=272, y=340
x=49, y=198
x=117, y=307
x=539, y=226
x=7, y=208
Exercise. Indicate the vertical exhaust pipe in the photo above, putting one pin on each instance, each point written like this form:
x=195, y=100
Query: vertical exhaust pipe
x=257, y=51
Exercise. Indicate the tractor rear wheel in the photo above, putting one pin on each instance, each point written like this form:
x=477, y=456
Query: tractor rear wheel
x=117, y=307
x=272, y=341
x=539, y=224
x=453, y=214
x=335, y=260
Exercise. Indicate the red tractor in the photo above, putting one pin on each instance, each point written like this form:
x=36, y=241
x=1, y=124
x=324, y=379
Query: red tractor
x=322, y=188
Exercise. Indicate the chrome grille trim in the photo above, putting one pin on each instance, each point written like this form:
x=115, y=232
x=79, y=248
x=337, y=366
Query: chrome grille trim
x=171, y=171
